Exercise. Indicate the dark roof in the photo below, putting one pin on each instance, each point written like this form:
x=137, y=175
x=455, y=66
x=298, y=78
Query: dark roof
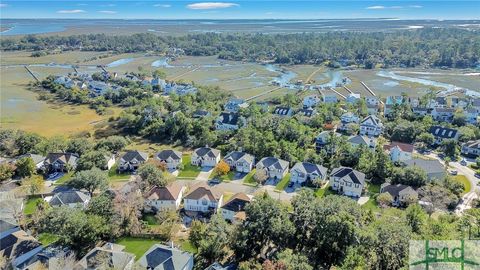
x=309, y=168
x=165, y=154
x=281, y=110
x=207, y=151
x=5, y=226
x=17, y=244
x=275, y=162
x=228, y=118
x=442, y=132
x=429, y=166
x=166, y=258
x=395, y=190
x=237, y=203
x=445, y=110
x=200, y=113
x=138, y=155
x=405, y=147
x=65, y=158
x=68, y=197
x=237, y=155
x=349, y=173
x=307, y=112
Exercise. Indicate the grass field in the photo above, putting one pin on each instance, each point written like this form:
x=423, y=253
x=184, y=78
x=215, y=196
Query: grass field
x=463, y=179
x=189, y=171
x=31, y=206
x=248, y=180
x=115, y=176
x=137, y=246
x=322, y=192
x=64, y=178
x=283, y=183
x=47, y=238
x=228, y=177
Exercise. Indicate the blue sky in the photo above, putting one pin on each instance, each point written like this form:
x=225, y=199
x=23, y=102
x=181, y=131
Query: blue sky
x=254, y=9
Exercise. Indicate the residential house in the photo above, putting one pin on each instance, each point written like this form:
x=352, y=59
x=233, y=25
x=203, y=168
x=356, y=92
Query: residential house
x=390, y=103
x=234, y=209
x=60, y=162
x=304, y=172
x=441, y=101
x=472, y=115
x=471, y=148
x=165, y=198
x=229, y=121
x=205, y=157
x=433, y=168
x=371, y=126
x=399, y=152
x=322, y=141
x=203, y=198
x=443, y=114
x=108, y=256
x=70, y=198
x=235, y=104
x=110, y=158
x=97, y=88
x=161, y=257
x=283, y=111
x=307, y=112
x=352, y=98
x=240, y=161
x=401, y=194
x=131, y=160
x=443, y=133
x=37, y=159
x=18, y=247
x=329, y=96
x=420, y=111
x=11, y=207
x=373, y=109
x=476, y=103
x=311, y=101
x=349, y=117
x=158, y=84
x=171, y=158
x=201, y=114
x=359, y=140
x=347, y=181
x=64, y=80
x=275, y=168
x=372, y=100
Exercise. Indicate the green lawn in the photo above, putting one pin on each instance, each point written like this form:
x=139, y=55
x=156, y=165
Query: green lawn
x=283, y=183
x=372, y=204
x=47, y=238
x=248, y=180
x=114, y=176
x=150, y=219
x=463, y=179
x=322, y=192
x=373, y=189
x=228, y=177
x=137, y=246
x=188, y=247
x=189, y=170
x=31, y=206
x=64, y=178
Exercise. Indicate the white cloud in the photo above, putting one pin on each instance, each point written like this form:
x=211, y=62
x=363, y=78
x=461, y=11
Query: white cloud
x=415, y=6
x=162, y=5
x=71, y=11
x=3, y=5
x=211, y=5
x=376, y=7
x=108, y=12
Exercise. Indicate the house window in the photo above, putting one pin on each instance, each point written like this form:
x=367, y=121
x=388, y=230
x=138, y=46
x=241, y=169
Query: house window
x=204, y=202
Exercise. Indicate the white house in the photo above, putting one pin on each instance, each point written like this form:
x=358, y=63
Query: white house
x=443, y=114
x=347, y=181
x=240, y=161
x=131, y=160
x=203, y=198
x=70, y=198
x=349, y=117
x=171, y=158
x=352, y=98
x=276, y=168
x=371, y=126
x=305, y=171
x=110, y=158
x=311, y=101
x=442, y=133
x=399, y=152
x=329, y=96
x=205, y=157
x=471, y=148
x=234, y=209
x=229, y=121
x=165, y=198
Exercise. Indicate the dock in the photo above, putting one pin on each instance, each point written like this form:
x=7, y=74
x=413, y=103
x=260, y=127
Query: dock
x=346, y=88
x=31, y=73
x=368, y=89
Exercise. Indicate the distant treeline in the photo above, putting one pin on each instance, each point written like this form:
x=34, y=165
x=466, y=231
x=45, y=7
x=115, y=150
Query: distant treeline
x=423, y=47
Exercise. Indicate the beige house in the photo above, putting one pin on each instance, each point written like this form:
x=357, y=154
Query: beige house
x=171, y=158
x=347, y=181
x=165, y=198
x=203, y=198
x=276, y=168
x=240, y=161
x=234, y=209
x=205, y=157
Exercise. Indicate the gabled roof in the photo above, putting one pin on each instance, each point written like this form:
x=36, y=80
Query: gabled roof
x=268, y=162
x=202, y=191
x=64, y=158
x=361, y=140
x=472, y=144
x=228, y=118
x=237, y=155
x=106, y=257
x=237, y=203
x=349, y=174
x=165, y=258
x=36, y=158
x=135, y=154
x=281, y=110
x=442, y=132
x=308, y=112
x=429, y=166
x=166, y=154
x=371, y=118
x=207, y=151
x=309, y=168
x=17, y=243
x=396, y=190
x=169, y=193
x=69, y=197
x=405, y=147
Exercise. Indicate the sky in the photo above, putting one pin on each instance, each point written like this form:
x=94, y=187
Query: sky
x=253, y=9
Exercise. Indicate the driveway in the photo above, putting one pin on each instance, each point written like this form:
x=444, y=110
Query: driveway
x=204, y=175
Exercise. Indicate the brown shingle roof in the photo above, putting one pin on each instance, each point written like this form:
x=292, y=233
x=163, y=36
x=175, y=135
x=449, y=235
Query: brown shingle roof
x=202, y=191
x=405, y=147
x=169, y=193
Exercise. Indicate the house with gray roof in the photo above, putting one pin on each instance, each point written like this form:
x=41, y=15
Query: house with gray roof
x=161, y=257
x=11, y=207
x=471, y=148
x=305, y=171
x=443, y=133
x=229, y=121
x=359, y=140
x=70, y=198
x=347, y=181
x=371, y=126
x=235, y=104
x=433, y=167
x=401, y=194
x=109, y=256
x=60, y=162
x=205, y=157
x=18, y=247
x=131, y=160
x=443, y=114
x=37, y=159
x=275, y=168
x=283, y=111
x=240, y=161
x=171, y=158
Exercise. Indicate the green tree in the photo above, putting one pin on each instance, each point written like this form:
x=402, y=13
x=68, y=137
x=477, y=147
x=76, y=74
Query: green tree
x=214, y=246
x=416, y=217
x=112, y=144
x=25, y=167
x=293, y=261
x=90, y=180
x=79, y=146
x=152, y=176
x=92, y=159
x=6, y=171
x=450, y=148
x=384, y=199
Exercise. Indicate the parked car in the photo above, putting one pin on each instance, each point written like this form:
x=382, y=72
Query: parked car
x=291, y=184
x=463, y=162
x=453, y=172
x=214, y=182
